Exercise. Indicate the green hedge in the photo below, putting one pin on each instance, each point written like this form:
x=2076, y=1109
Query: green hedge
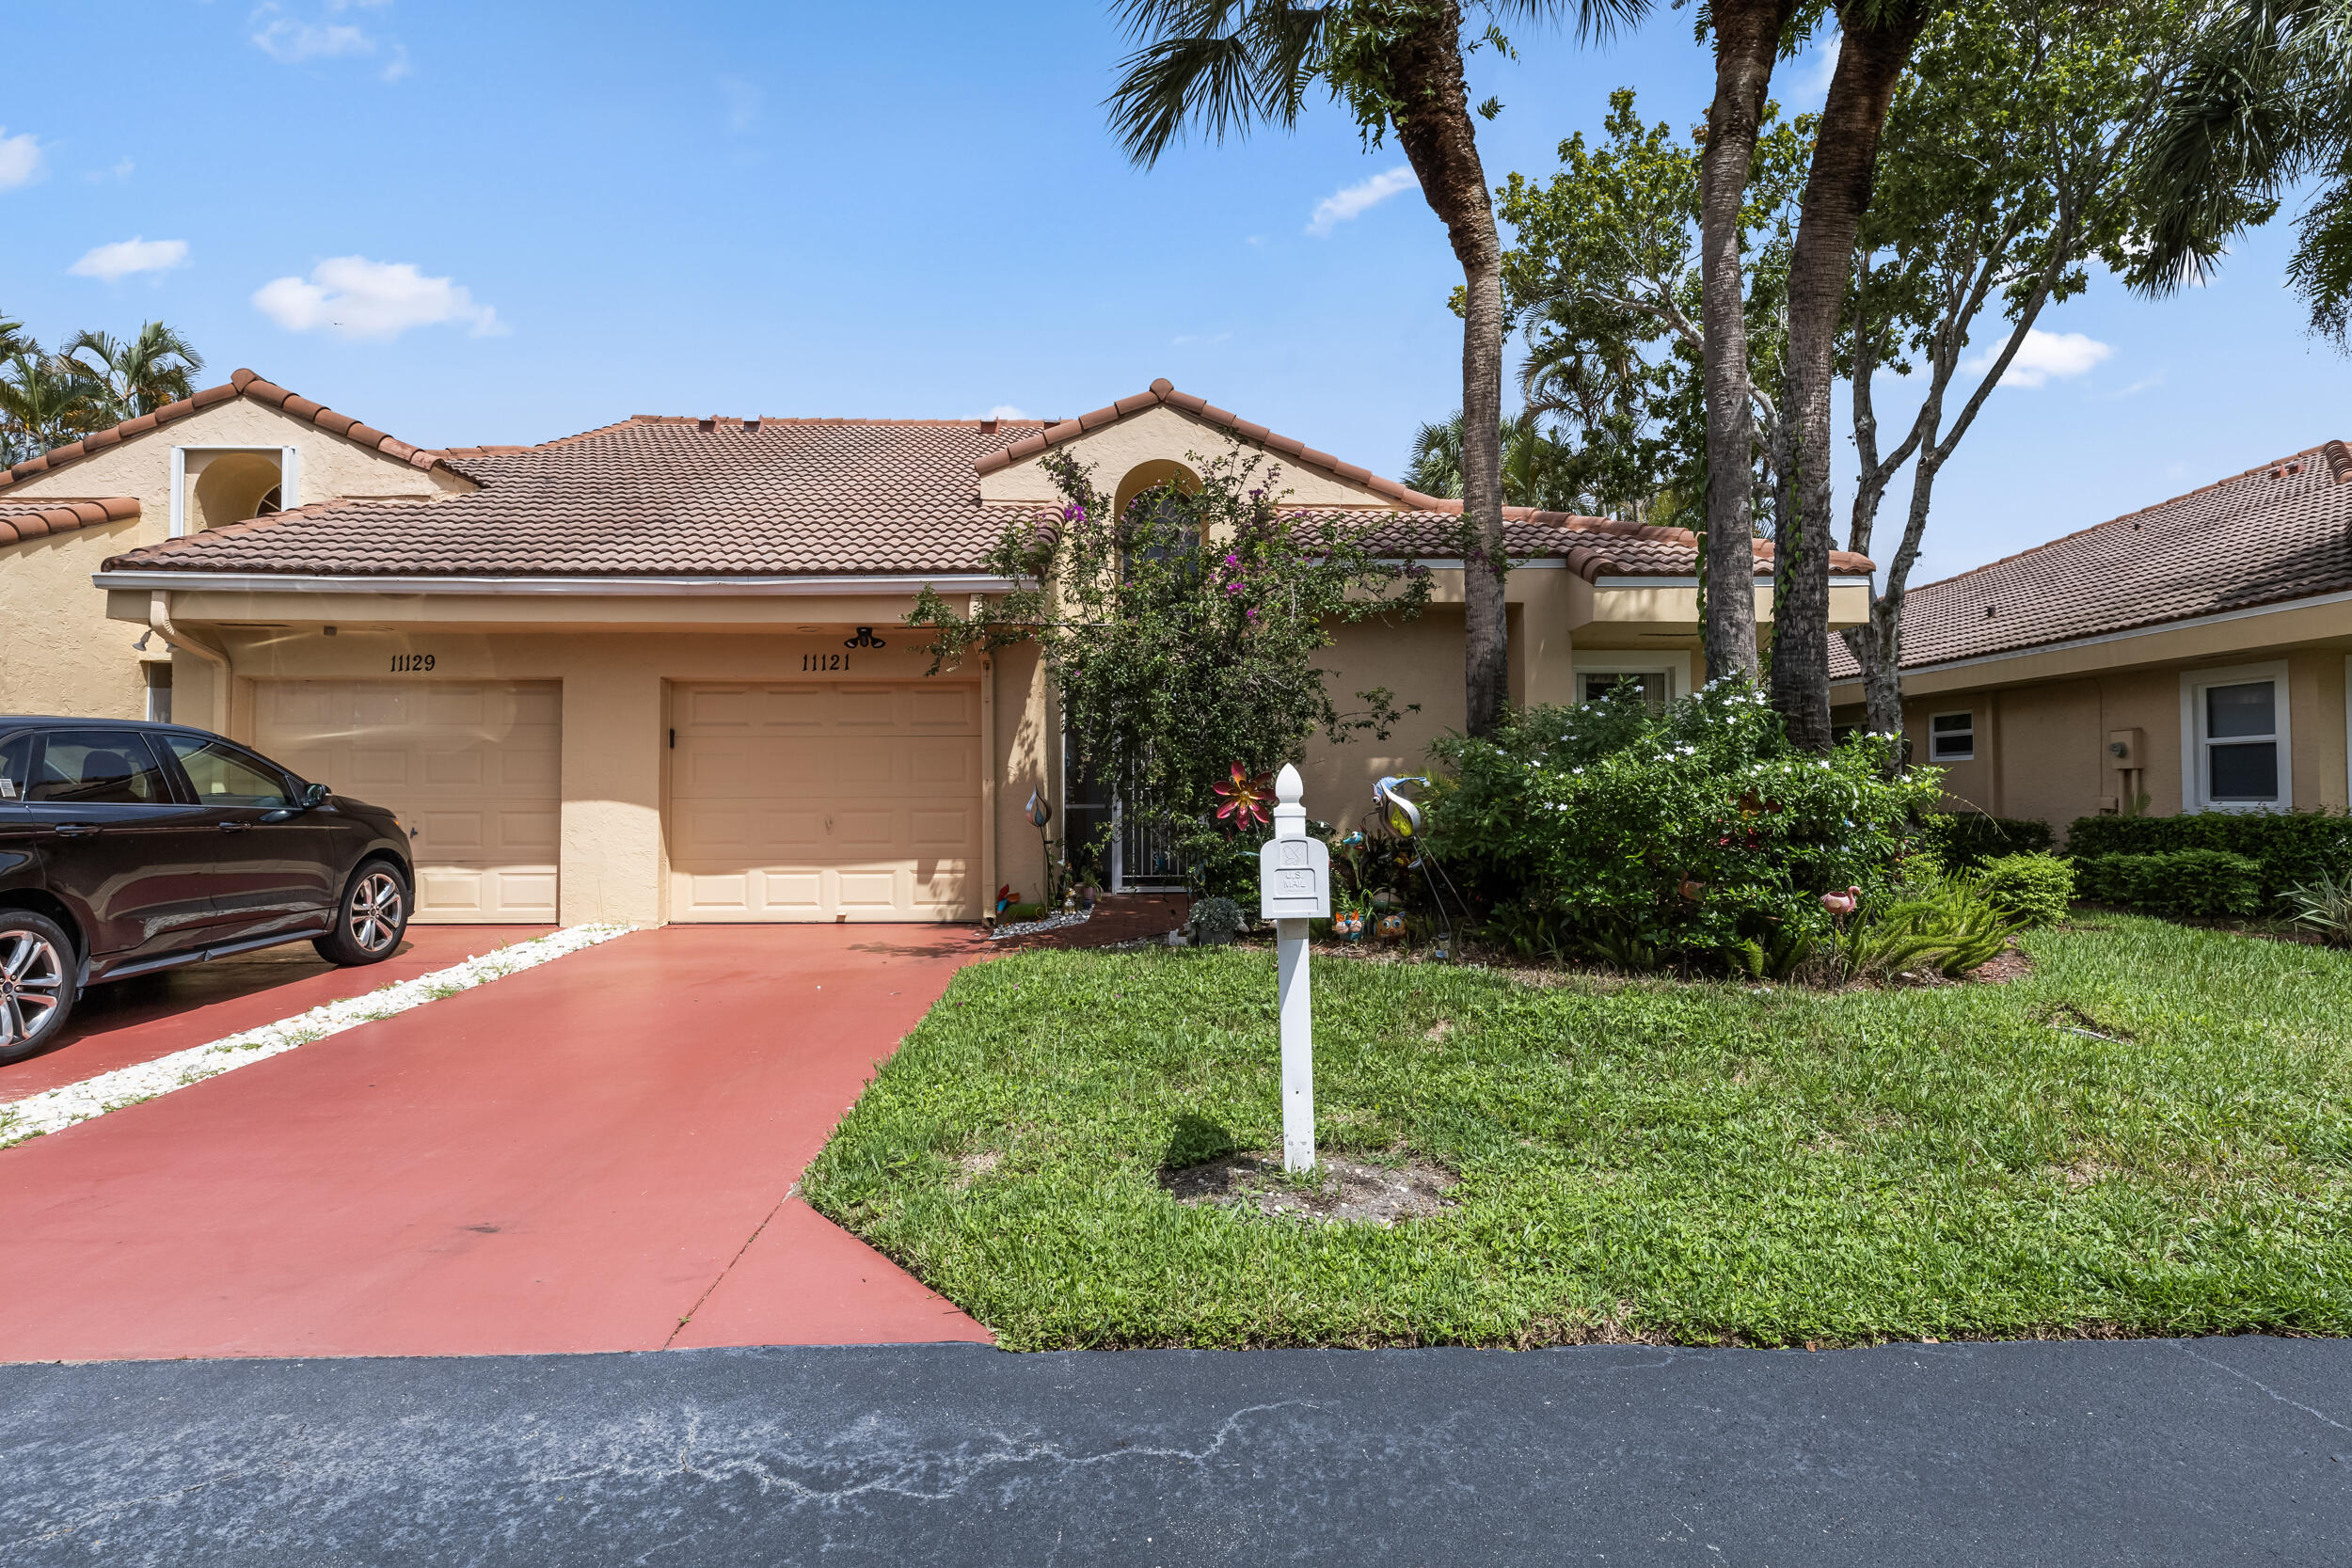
x=1964, y=840
x=2209, y=882
x=2293, y=849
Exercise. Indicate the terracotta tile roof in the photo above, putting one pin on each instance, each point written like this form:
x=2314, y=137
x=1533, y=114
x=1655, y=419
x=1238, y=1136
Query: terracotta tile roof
x=653, y=496
x=38, y=520
x=665, y=494
x=1161, y=391
x=241, y=384
x=2273, y=533
x=1593, y=548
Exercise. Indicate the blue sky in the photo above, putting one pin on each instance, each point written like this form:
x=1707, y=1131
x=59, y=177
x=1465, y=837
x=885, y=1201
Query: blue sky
x=470, y=223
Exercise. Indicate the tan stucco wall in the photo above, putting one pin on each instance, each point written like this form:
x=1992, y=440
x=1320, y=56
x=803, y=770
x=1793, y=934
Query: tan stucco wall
x=2042, y=747
x=58, y=652
x=1162, y=433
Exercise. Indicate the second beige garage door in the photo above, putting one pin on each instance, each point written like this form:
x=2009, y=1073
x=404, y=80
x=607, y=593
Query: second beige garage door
x=475, y=768
x=826, y=801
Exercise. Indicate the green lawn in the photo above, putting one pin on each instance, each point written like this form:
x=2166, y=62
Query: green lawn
x=1696, y=1162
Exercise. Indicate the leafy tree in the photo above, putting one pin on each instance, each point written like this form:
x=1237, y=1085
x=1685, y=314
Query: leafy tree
x=139, y=374
x=2009, y=164
x=1182, y=634
x=1538, y=469
x=2265, y=104
x=1227, y=65
x=1607, y=280
x=12, y=340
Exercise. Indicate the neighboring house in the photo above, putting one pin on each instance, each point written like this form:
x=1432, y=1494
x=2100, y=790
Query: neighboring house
x=2194, y=654
x=658, y=670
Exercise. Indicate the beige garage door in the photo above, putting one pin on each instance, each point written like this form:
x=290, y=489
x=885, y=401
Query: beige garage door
x=475, y=768
x=826, y=801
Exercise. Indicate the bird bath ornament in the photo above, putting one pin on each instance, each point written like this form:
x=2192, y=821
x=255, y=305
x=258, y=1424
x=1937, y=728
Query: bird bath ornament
x=1294, y=887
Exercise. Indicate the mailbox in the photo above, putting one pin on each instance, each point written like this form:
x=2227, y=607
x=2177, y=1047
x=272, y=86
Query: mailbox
x=1293, y=880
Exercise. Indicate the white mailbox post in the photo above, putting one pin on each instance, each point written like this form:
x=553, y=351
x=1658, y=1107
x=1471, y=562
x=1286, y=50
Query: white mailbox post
x=1294, y=887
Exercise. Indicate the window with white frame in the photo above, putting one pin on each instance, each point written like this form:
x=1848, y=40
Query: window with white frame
x=1656, y=686
x=2234, y=731
x=1952, y=737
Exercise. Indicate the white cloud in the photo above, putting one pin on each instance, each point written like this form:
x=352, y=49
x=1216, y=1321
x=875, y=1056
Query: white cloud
x=1006, y=411
x=354, y=297
x=291, y=43
x=1359, y=199
x=744, y=103
x=19, y=159
x=118, y=170
x=294, y=40
x=2140, y=385
x=2045, y=356
x=125, y=257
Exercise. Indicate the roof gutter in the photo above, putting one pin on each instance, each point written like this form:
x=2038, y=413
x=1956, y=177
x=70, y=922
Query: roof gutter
x=159, y=618
x=813, y=585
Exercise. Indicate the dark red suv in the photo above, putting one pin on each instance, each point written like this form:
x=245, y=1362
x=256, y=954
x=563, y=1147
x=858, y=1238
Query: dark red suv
x=126, y=847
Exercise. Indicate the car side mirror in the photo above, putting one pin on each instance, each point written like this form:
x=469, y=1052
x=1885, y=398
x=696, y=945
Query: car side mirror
x=313, y=795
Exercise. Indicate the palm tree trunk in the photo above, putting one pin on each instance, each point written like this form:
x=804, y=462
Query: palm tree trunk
x=1821, y=268
x=1747, y=36
x=1433, y=124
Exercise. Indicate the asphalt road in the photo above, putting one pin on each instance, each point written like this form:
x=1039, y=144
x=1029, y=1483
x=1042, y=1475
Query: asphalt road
x=2203, y=1451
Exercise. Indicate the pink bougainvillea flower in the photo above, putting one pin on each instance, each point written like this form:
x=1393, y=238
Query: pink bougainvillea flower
x=1244, y=799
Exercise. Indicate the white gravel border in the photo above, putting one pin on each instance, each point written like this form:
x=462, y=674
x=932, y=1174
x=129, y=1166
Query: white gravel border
x=61, y=1107
x=1051, y=923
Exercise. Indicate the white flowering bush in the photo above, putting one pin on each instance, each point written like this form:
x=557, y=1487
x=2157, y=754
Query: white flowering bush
x=1692, y=835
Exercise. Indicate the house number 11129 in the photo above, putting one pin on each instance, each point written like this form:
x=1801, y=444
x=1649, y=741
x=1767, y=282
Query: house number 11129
x=411, y=664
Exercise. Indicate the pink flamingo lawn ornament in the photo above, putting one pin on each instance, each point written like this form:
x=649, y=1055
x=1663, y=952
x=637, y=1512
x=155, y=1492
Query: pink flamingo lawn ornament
x=1842, y=903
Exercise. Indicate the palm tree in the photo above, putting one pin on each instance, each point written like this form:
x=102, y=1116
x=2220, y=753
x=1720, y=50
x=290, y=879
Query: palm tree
x=1225, y=66
x=45, y=403
x=12, y=340
x=1749, y=36
x=2264, y=105
x=1878, y=40
x=1538, y=469
x=140, y=375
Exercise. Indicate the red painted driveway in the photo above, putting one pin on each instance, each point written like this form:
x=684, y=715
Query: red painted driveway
x=124, y=1023
x=593, y=1155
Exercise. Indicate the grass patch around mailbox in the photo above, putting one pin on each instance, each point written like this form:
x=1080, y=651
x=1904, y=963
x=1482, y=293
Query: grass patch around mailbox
x=2145, y=1135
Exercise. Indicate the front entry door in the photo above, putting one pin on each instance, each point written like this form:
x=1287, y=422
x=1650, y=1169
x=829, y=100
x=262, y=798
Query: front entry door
x=119, y=842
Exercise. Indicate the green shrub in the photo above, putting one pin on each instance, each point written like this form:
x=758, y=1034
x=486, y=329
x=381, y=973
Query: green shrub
x=1671, y=838
x=2211, y=883
x=2031, y=890
x=1965, y=840
x=2294, y=848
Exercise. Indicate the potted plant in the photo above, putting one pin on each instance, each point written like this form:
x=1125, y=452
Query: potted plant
x=1215, y=921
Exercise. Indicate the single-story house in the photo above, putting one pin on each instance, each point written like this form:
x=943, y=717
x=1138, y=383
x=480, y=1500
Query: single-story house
x=657, y=671
x=2193, y=656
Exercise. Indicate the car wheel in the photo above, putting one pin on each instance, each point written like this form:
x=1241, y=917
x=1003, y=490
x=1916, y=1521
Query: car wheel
x=37, y=982
x=371, y=919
